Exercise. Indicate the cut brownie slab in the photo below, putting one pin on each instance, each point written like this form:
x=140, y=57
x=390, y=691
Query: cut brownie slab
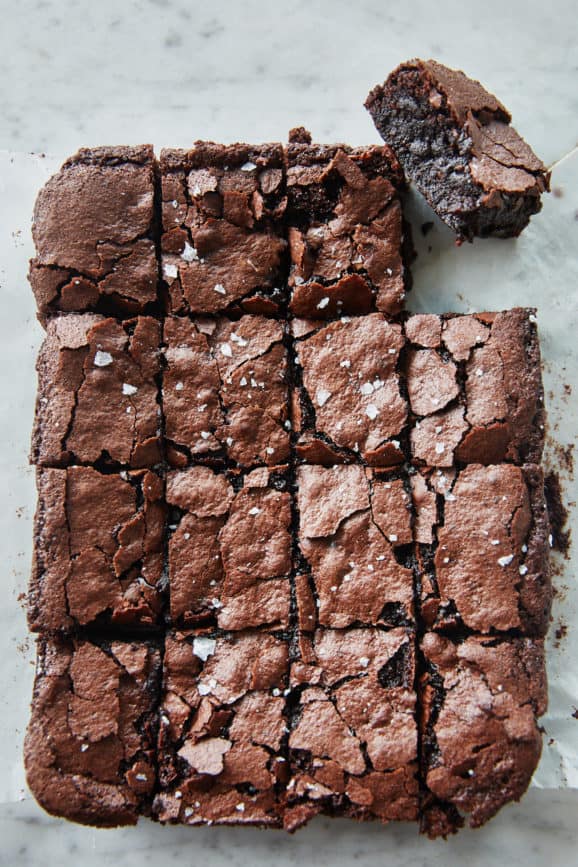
x=475, y=388
x=223, y=242
x=348, y=401
x=222, y=725
x=352, y=523
x=225, y=392
x=483, y=539
x=455, y=142
x=98, y=549
x=481, y=742
x=94, y=234
x=90, y=746
x=98, y=392
x=230, y=548
x=347, y=237
x=353, y=734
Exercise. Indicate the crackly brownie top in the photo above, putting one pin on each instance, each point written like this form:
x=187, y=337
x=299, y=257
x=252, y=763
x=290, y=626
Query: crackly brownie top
x=230, y=552
x=99, y=548
x=97, y=392
x=93, y=232
x=481, y=740
x=475, y=388
x=350, y=524
x=222, y=239
x=222, y=722
x=89, y=750
x=225, y=391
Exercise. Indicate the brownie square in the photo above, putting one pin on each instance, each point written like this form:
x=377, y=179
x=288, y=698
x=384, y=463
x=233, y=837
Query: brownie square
x=90, y=746
x=353, y=526
x=225, y=392
x=353, y=733
x=482, y=536
x=475, y=388
x=455, y=142
x=223, y=241
x=480, y=739
x=348, y=400
x=98, y=550
x=222, y=723
x=347, y=237
x=230, y=548
x=94, y=234
x=98, y=392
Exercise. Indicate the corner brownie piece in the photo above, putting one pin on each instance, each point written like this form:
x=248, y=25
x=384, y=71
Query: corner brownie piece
x=222, y=723
x=98, y=555
x=483, y=539
x=475, y=388
x=347, y=237
x=455, y=142
x=353, y=525
x=225, y=392
x=223, y=243
x=230, y=548
x=348, y=401
x=94, y=234
x=90, y=746
x=353, y=734
x=98, y=392
x=481, y=742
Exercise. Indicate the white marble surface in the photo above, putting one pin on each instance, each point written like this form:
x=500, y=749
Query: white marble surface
x=169, y=71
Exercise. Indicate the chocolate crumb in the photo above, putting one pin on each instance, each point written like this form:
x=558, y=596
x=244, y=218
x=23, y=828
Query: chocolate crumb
x=558, y=514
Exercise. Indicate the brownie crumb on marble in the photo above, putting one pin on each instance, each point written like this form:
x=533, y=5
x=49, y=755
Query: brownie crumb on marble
x=481, y=742
x=475, y=390
x=90, y=751
x=482, y=534
x=348, y=400
x=349, y=245
x=98, y=550
x=222, y=724
x=94, y=232
x=230, y=548
x=353, y=734
x=455, y=142
x=98, y=392
x=223, y=238
x=225, y=391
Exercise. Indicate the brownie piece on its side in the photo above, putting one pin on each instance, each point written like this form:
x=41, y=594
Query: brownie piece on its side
x=475, y=388
x=94, y=234
x=487, y=569
x=481, y=742
x=455, y=142
x=348, y=402
x=98, y=549
x=90, y=746
x=223, y=243
x=353, y=734
x=347, y=237
x=222, y=726
x=351, y=524
x=230, y=548
x=98, y=393
x=225, y=392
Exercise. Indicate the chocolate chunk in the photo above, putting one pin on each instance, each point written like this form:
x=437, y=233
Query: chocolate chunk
x=455, y=142
x=94, y=237
x=223, y=240
x=98, y=393
x=225, y=393
x=89, y=751
x=98, y=549
x=230, y=551
x=222, y=723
